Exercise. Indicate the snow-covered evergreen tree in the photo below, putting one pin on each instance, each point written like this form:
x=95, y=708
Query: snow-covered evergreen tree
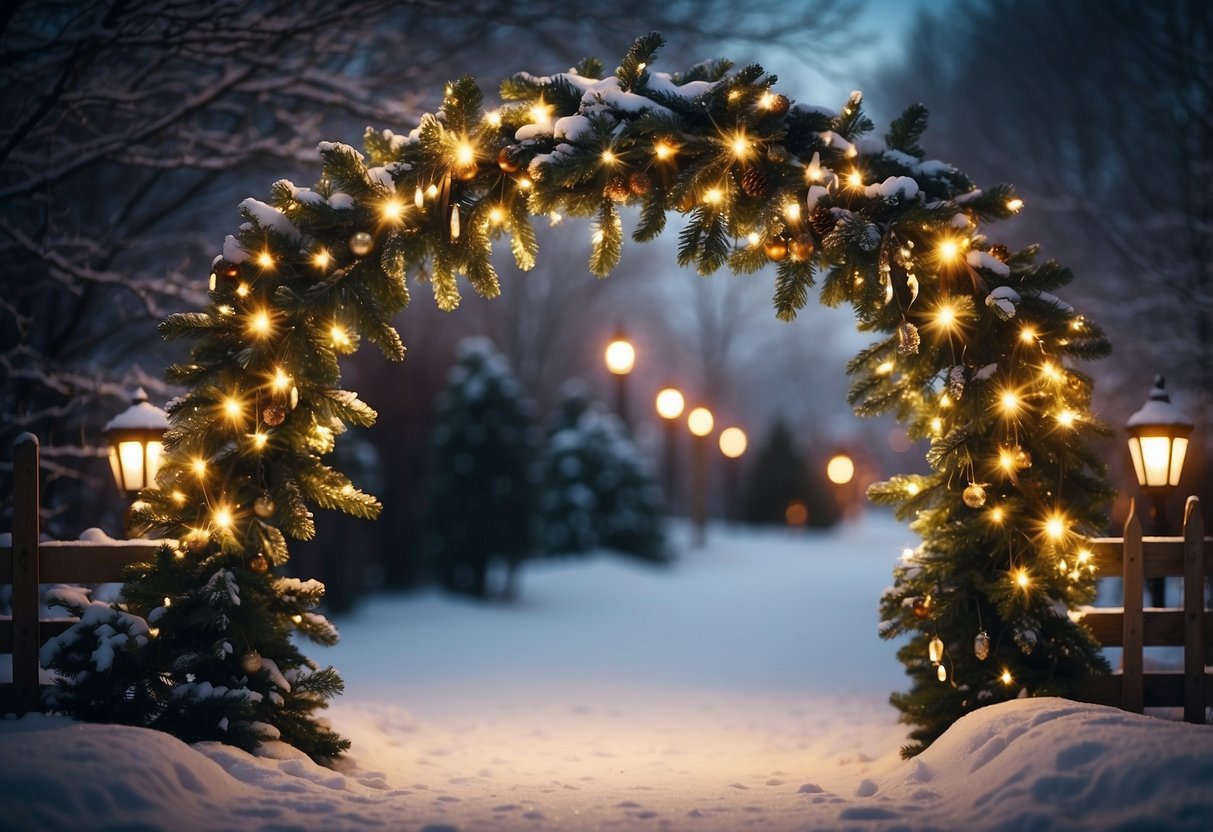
x=779, y=476
x=481, y=486
x=597, y=490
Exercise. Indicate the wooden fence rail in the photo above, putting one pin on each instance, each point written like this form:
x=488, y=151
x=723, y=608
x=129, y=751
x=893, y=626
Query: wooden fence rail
x=1135, y=558
x=30, y=562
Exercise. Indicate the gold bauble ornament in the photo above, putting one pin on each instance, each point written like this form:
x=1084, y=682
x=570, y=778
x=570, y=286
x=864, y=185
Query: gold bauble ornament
x=975, y=495
x=776, y=249
x=466, y=173
x=922, y=608
x=258, y=564
x=778, y=104
x=274, y=414
x=801, y=247
x=264, y=506
x=251, y=662
x=981, y=646
x=505, y=161
x=197, y=541
x=227, y=270
x=361, y=243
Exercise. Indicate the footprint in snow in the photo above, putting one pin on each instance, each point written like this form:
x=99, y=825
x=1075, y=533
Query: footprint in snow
x=810, y=788
x=867, y=788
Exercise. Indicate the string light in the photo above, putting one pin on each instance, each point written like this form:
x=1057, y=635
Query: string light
x=740, y=145
x=431, y=191
x=339, y=336
x=493, y=117
x=555, y=218
x=524, y=183
x=948, y=250
x=465, y=154
x=791, y=212
x=233, y=408
x=265, y=260
x=997, y=515
x=392, y=210
x=496, y=215
x=884, y=368
x=1020, y=576
x=259, y=441
x=242, y=290
x=1027, y=335
x=222, y=517
x=418, y=197
x=1010, y=402
x=541, y=114
x=766, y=100
x=199, y=467
x=1006, y=677
x=609, y=157
x=1050, y=372
x=1055, y=526
x=1066, y=418
x=1006, y=459
x=753, y=238
x=281, y=380
x=321, y=259
x=855, y=179
x=1014, y=205
x=713, y=196
x=663, y=150
x=298, y=619
x=259, y=324
x=177, y=497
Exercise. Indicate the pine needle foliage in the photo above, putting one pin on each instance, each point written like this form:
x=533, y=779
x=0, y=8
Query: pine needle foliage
x=973, y=352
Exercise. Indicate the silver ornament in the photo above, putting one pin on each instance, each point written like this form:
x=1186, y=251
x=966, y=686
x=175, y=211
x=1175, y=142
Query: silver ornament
x=907, y=338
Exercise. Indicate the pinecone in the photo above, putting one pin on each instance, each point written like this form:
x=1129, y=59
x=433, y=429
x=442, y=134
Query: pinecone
x=617, y=189
x=821, y=220
x=640, y=183
x=754, y=182
x=907, y=338
x=1001, y=252
x=778, y=105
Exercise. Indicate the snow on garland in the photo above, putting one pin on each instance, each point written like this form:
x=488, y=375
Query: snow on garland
x=971, y=355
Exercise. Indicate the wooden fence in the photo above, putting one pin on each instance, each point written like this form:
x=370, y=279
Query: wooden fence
x=1135, y=558
x=30, y=562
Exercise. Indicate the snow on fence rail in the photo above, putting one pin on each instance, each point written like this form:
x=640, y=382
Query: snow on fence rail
x=1135, y=558
x=29, y=562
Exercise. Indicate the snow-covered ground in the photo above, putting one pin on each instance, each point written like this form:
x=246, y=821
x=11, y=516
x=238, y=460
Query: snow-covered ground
x=742, y=688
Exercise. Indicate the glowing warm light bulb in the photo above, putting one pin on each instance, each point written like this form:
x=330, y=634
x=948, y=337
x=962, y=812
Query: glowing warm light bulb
x=997, y=515
x=177, y=497
x=1014, y=205
x=281, y=379
x=1006, y=459
x=1020, y=576
x=199, y=467
x=259, y=323
x=713, y=196
x=321, y=259
x=753, y=238
x=242, y=290
x=1066, y=418
x=620, y=356
x=168, y=602
x=524, y=183
x=791, y=212
x=855, y=179
x=431, y=191
x=700, y=421
x=840, y=470
x=912, y=489
x=935, y=650
x=222, y=517
x=493, y=117
x=1055, y=526
x=941, y=673
x=740, y=145
x=259, y=441
x=232, y=408
x=663, y=151
x=496, y=215
x=766, y=100
x=541, y=113
x=392, y=210
x=1009, y=401
x=298, y=619
x=670, y=403
x=555, y=218
x=937, y=425
x=884, y=368
x=948, y=250
x=418, y=197
x=265, y=260
x=465, y=154
x=609, y=157
x=1006, y=677
x=945, y=315
x=1049, y=370
x=1027, y=335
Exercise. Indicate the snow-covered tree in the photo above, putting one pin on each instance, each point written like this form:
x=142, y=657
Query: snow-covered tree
x=597, y=491
x=480, y=505
x=780, y=475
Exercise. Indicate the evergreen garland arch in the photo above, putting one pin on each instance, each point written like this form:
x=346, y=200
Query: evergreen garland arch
x=973, y=353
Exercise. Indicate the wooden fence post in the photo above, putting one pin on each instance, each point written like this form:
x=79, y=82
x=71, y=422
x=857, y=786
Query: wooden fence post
x=26, y=639
x=1132, y=690
x=1194, y=612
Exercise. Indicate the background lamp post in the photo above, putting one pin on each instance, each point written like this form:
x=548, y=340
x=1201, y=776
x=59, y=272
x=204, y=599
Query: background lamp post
x=1158, y=443
x=136, y=442
x=733, y=443
x=700, y=422
x=620, y=358
x=670, y=404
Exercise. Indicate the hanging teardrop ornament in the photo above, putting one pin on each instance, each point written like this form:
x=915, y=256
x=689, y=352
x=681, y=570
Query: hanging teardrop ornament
x=981, y=646
x=935, y=650
x=941, y=673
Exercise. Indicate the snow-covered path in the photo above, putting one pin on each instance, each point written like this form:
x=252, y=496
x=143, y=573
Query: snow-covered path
x=745, y=688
